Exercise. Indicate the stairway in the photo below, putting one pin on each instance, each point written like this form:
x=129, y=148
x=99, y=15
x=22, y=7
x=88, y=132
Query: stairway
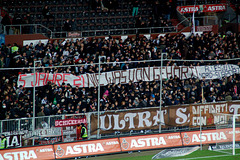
x=175, y=22
x=231, y=5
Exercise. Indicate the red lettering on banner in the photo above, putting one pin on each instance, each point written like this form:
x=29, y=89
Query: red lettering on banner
x=42, y=79
x=36, y=79
x=57, y=80
x=50, y=80
x=20, y=79
x=64, y=77
x=76, y=80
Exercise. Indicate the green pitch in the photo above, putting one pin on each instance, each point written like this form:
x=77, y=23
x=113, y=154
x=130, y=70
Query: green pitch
x=197, y=155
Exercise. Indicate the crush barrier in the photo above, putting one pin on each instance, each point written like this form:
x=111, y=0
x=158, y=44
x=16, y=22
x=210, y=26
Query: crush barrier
x=118, y=145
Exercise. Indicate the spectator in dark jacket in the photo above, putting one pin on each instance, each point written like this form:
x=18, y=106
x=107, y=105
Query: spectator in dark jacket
x=6, y=21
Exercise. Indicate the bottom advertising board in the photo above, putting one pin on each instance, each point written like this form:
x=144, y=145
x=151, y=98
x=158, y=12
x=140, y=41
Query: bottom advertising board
x=122, y=144
x=209, y=136
x=150, y=141
x=87, y=148
x=37, y=152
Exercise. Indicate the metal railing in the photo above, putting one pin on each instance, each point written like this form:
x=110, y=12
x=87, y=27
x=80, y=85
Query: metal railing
x=204, y=20
x=184, y=20
x=38, y=28
x=127, y=31
x=16, y=125
x=27, y=29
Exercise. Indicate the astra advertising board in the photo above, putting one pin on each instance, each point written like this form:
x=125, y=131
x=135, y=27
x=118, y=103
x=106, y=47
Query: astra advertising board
x=115, y=145
x=36, y=152
x=86, y=148
x=150, y=141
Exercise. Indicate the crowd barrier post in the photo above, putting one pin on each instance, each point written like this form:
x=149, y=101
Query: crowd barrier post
x=88, y=115
x=34, y=96
x=99, y=66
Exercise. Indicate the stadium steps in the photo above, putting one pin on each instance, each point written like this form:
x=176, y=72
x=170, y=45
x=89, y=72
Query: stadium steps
x=231, y=5
x=176, y=22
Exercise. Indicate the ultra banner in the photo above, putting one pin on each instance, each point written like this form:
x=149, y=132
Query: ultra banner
x=124, y=76
x=145, y=119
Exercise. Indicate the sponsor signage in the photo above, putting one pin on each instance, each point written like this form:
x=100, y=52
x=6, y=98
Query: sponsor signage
x=204, y=28
x=150, y=141
x=36, y=152
x=69, y=122
x=124, y=76
x=87, y=148
x=175, y=152
x=202, y=8
x=74, y=34
x=42, y=133
x=209, y=136
x=223, y=146
x=114, y=145
x=13, y=141
x=187, y=115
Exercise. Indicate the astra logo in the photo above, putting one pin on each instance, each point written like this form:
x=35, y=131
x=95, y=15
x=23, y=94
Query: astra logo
x=59, y=151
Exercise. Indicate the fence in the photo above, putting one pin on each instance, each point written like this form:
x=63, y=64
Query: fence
x=38, y=28
x=141, y=120
x=127, y=31
x=27, y=29
x=131, y=121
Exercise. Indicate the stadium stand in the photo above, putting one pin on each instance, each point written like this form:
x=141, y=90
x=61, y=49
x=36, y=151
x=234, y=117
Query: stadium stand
x=83, y=10
x=51, y=99
x=16, y=102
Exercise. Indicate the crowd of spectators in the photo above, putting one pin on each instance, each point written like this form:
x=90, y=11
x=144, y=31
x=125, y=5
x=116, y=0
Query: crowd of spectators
x=51, y=99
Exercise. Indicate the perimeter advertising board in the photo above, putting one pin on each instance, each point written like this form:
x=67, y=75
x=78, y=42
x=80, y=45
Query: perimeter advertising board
x=150, y=141
x=202, y=8
x=87, y=148
x=37, y=152
x=122, y=144
x=209, y=136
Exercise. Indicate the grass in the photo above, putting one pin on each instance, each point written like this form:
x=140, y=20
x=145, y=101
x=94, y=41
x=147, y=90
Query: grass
x=197, y=155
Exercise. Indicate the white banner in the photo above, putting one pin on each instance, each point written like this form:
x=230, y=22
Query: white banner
x=134, y=75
